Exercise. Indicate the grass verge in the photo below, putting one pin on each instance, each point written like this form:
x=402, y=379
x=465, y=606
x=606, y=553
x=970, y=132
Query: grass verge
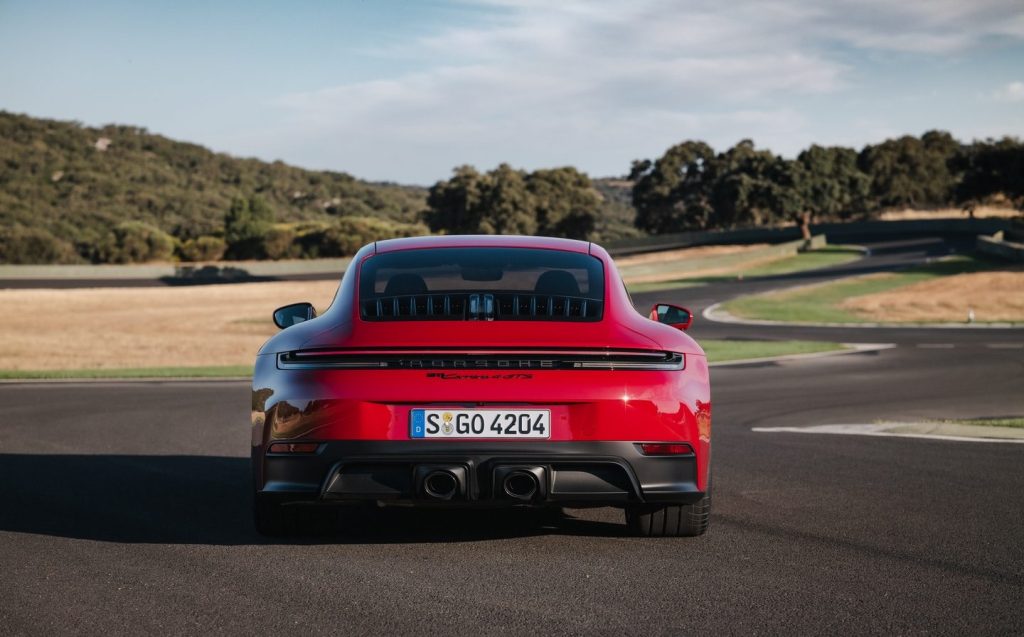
x=1017, y=423
x=227, y=371
x=820, y=303
x=811, y=260
x=720, y=351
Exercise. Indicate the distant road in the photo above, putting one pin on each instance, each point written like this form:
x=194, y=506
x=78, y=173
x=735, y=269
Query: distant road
x=61, y=284
x=124, y=510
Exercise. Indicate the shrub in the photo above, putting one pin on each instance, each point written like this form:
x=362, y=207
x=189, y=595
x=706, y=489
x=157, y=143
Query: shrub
x=135, y=242
x=279, y=243
x=205, y=248
x=348, y=234
x=22, y=245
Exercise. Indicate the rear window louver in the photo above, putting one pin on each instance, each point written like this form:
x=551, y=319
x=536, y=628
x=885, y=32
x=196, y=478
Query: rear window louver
x=481, y=307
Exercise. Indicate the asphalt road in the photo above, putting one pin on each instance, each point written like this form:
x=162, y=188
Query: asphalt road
x=124, y=510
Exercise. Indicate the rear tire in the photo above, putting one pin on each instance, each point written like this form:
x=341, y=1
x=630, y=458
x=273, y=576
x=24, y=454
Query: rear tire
x=670, y=520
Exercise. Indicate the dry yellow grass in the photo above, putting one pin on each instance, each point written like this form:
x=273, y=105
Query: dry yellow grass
x=994, y=296
x=145, y=327
x=685, y=254
x=980, y=212
x=725, y=270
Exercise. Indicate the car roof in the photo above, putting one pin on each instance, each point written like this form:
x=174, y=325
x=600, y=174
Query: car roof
x=482, y=241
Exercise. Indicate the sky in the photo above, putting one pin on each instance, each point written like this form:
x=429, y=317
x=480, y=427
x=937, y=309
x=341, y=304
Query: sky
x=406, y=91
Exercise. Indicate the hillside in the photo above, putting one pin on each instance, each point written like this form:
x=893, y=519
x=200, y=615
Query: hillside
x=71, y=193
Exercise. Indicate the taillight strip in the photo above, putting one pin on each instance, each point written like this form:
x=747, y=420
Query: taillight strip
x=517, y=360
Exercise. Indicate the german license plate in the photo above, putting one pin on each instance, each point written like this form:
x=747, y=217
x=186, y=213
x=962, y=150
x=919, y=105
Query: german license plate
x=480, y=423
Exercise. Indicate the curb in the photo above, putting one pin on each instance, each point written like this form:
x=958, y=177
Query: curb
x=881, y=431
x=718, y=315
x=851, y=348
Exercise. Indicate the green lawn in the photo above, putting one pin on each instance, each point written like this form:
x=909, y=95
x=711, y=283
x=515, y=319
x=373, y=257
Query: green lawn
x=820, y=303
x=140, y=372
x=719, y=351
x=812, y=260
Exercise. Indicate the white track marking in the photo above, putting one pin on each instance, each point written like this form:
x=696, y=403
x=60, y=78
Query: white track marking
x=879, y=430
x=1005, y=345
x=850, y=348
x=715, y=313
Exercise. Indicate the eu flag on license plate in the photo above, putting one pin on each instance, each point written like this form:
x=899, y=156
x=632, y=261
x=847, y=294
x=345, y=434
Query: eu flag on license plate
x=417, y=423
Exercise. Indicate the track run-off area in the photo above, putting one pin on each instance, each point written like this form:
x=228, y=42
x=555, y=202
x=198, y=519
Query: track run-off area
x=124, y=509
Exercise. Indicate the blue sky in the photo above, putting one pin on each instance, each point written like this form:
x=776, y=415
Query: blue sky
x=405, y=91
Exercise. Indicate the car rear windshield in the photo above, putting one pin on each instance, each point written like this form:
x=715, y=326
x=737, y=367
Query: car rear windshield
x=481, y=284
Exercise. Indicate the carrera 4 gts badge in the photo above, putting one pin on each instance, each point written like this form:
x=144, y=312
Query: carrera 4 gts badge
x=453, y=376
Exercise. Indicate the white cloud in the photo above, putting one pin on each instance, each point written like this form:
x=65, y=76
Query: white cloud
x=1012, y=92
x=597, y=84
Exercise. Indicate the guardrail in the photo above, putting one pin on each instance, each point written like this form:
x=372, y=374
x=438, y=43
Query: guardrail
x=997, y=246
x=836, y=232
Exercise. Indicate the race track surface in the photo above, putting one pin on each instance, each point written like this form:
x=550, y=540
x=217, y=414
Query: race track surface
x=124, y=510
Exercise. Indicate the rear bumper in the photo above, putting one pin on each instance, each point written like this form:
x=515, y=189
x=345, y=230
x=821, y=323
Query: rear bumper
x=594, y=473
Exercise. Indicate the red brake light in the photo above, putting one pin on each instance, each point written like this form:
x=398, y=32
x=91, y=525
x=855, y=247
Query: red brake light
x=294, y=447
x=665, y=449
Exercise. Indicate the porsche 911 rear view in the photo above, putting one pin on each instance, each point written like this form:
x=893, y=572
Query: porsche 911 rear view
x=483, y=371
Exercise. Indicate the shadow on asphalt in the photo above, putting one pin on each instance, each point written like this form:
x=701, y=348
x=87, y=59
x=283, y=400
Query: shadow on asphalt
x=206, y=500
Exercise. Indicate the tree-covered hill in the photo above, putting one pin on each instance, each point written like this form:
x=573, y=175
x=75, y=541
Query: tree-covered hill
x=118, y=194
x=71, y=193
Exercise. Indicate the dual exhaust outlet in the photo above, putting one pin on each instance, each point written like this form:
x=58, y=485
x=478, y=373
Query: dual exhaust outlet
x=520, y=483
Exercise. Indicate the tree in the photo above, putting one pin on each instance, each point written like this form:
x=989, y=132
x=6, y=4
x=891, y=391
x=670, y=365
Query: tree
x=833, y=186
x=990, y=168
x=565, y=202
x=741, y=191
x=911, y=172
x=506, y=205
x=454, y=204
x=557, y=202
x=245, y=226
x=672, y=194
x=754, y=187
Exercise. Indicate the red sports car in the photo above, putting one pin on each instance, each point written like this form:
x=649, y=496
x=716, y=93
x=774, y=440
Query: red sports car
x=483, y=371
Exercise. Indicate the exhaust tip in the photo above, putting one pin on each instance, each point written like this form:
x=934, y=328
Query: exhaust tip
x=520, y=485
x=441, y=485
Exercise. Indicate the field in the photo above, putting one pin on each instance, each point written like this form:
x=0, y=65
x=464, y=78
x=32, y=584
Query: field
x=199, y=331
x=941, y=292
x=112, y=328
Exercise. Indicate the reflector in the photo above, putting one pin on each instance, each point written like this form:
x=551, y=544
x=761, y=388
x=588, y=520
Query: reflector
x=665, y=449
x=294, y=447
